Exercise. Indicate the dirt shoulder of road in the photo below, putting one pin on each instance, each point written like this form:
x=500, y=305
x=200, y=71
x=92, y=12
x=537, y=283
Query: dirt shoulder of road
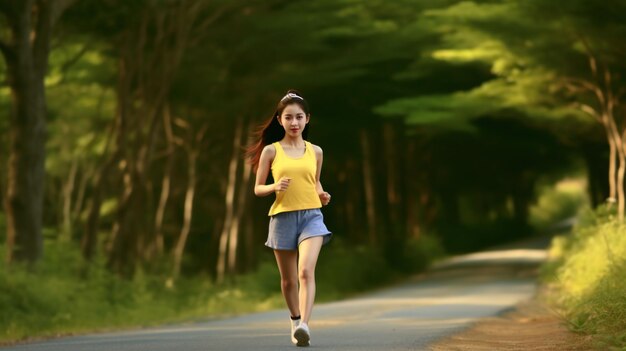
x=531, y=325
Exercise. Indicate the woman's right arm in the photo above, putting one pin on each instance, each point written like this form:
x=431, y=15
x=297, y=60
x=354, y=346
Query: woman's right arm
x=267, y=156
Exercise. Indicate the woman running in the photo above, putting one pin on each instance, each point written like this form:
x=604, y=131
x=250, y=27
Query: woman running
x=296, y=229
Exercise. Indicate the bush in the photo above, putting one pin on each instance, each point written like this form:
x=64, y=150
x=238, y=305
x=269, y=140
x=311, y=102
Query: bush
x=419, y=253
x=589, y=271
x=3, y=227
x=57, y=297
x=562, y=201
x=603, y=310
x=342, y=271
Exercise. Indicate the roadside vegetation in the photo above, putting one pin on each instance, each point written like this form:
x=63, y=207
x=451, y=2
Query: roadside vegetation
x=586, y=274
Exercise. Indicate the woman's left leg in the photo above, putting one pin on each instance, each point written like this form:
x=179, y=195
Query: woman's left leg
x=309, y=250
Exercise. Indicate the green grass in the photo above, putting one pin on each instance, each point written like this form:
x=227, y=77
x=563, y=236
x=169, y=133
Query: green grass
x=53, y=299
x=588, y=270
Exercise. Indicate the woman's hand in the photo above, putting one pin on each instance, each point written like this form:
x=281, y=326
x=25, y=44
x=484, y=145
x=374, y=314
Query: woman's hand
x=324, y=198
x=282, y=184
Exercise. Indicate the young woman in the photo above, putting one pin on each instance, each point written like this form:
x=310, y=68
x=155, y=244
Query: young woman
x=296, y=229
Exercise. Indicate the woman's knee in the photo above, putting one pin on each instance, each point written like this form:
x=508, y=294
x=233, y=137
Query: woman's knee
x=306, y=274
x=289, y=283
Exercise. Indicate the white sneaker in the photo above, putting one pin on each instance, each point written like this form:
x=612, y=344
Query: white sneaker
x=294, y=325
x=302, y=335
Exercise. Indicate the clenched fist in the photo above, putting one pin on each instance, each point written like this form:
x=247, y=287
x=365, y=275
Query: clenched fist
x=282, y=184
x=325, y=198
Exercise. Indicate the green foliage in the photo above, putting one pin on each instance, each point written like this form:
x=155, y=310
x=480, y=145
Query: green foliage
x=603, y=310
x=263, y=282
x=559, y=202
x=527, y=61
x=591, y=218
x=589, y=271
x=81, y=105
x=349, y=270
x=54, y=299
x=589, y=258
x=3, y=226
x=419, y=252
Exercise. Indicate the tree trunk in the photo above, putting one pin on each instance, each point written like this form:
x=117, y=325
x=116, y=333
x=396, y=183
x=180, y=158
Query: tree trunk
x=120, y=248
x=604, y=118
x=620, y=143
x=392, y=165
x=165, y=185
x=621, y=155
x=620, y=187
x=249, y=244
x=602, y=88
x=352, y=191
x=412, y=207
x=80, y=196
x=229, y=203
x=612, y=168
x=27, y=61
x=123, y=244
x=89, y=241
x=395, y=230
x=189, y=195
x=368, y=183
x=244, y=194
x=68, y=190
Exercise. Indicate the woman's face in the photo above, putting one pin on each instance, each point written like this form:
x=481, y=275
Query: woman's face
x=293, y=119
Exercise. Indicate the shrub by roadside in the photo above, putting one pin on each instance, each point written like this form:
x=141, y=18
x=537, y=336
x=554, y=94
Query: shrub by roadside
x=588, y=271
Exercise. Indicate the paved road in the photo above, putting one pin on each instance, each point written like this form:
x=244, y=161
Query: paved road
x=409, y=316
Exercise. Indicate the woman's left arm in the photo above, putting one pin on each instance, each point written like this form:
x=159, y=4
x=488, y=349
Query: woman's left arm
x=324, y=196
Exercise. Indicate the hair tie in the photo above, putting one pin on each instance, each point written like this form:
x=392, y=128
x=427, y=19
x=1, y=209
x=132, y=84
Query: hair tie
x=291, y=95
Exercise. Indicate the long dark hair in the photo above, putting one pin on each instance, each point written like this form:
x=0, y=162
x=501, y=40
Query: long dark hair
x=271, y=131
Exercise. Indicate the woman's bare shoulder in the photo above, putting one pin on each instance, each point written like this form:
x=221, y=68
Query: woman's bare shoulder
x=268, y=153
x=269, y=148
x=317, y=148
x=318, y=151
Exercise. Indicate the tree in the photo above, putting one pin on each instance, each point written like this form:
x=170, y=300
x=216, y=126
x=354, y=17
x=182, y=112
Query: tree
x=25, y=51
x=533, y=63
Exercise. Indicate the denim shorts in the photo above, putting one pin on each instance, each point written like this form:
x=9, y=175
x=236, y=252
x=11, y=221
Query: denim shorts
x=288, y=229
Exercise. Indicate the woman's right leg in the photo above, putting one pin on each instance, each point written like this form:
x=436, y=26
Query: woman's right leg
x=288, y=266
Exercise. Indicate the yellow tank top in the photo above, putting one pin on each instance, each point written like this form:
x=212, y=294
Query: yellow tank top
x=301, y=193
